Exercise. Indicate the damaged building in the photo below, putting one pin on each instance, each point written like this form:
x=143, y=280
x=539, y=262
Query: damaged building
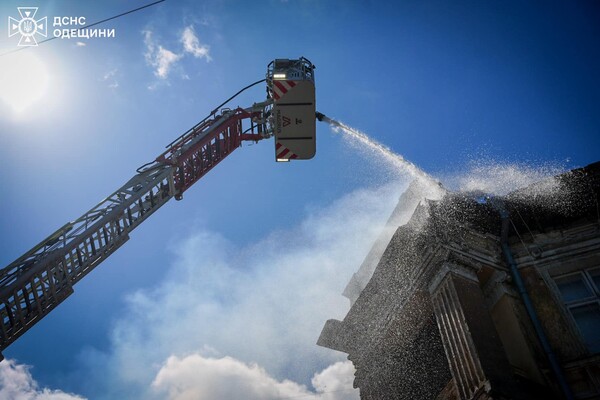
x=466, y=296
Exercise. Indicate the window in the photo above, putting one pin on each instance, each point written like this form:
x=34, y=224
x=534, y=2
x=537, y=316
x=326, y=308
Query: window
x=581, y=294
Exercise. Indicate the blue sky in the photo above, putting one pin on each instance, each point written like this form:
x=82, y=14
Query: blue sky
x=451, y=86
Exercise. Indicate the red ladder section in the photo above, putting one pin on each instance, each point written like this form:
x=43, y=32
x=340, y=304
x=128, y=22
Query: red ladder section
x=34, y=284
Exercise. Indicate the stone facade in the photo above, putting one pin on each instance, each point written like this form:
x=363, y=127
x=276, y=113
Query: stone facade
x=435, y=311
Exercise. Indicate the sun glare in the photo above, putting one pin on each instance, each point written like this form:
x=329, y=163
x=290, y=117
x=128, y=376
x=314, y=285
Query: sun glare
x=24, y=80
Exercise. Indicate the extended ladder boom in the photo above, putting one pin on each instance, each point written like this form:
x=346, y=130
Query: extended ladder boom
x=42, y=278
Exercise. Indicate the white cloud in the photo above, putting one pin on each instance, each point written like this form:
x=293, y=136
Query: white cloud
x=16, y=383
x=164, y=60
x=198, y=377
x=109, y=74
x=110, y=78
x=158, y=57
x=80, y=44
x=191, y=44
x=263, y=304
x=336, y=380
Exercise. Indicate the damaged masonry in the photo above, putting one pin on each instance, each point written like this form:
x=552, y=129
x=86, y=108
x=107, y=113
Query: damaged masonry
x=480, y=298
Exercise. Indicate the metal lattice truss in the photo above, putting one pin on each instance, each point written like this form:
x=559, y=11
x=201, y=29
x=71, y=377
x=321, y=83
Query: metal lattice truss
x=42, y=278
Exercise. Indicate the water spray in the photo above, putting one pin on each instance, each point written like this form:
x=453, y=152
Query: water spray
x=480, y=197
x=395, y=159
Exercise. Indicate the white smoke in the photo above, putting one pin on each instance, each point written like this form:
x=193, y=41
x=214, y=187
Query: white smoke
x=260, y=307
x=231, y=322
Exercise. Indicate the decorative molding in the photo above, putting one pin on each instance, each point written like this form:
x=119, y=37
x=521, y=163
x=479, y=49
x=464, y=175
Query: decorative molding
x=448, y=267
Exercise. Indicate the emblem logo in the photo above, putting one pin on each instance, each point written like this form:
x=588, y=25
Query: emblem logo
x=28, y=27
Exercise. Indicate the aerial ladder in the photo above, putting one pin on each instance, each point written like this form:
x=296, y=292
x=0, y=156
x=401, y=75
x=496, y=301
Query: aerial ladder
x=38, y=281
